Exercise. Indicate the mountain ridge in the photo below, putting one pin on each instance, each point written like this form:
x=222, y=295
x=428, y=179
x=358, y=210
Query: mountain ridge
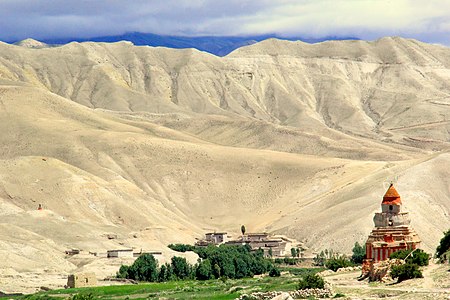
x=217, y=45
x=159, y=146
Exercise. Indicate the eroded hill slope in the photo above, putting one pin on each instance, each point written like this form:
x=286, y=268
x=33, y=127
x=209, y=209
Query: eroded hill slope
x=158, y=146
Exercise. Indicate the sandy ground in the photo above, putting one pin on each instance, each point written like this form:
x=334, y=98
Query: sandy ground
x=434, y=285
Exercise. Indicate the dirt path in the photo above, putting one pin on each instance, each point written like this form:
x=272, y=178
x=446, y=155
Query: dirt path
x=427, y=275
x=415, y=289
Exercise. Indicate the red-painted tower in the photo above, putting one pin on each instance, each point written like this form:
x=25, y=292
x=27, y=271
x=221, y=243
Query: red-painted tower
x=392, y=230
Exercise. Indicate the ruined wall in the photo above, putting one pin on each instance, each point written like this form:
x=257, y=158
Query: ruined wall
x=81, y=280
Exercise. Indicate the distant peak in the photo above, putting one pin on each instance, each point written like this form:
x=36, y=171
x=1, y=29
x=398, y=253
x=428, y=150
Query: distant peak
x=31, y=43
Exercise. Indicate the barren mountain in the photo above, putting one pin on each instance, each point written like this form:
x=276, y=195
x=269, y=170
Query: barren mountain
x=157, y=145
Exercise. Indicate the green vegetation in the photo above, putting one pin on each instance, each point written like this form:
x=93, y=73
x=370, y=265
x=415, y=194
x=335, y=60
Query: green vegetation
x=216, y=262
x=337, y=262
x=406, y=271
x=417, y=256
x=274, y=272
x=301, y=271
x=321, y=258
x=82, y=296
x=332, y=260
x=287, y=261
x=243, y=229
x=411, y=269
x=443, y=249
x=181, y=247
x=359, y=253
x=144, y=268
x=311, y=281
x=214, y=289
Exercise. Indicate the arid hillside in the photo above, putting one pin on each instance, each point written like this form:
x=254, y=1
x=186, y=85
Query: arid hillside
x=157, y=145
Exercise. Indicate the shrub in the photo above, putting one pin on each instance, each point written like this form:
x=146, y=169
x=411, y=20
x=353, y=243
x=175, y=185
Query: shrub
x=278, y=261
x=443, y=247
x=359, y=253
x=290, y=261
x=320, y=259
x=406, y=271
x=311, y=281
x=417, y=256
x=274, y=272
x=337, y=262
x=88, y=296
x=181, y=247
x=339, y=295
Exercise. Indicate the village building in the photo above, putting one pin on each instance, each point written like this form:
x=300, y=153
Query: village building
x=120, y=253
x=272, y=246
x=157, y=254
x=392, y=230
x=213, y=238
x=81, y=280
x=72, y=251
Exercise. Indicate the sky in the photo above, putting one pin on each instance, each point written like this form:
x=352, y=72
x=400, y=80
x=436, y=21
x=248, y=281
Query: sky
x=426, y=20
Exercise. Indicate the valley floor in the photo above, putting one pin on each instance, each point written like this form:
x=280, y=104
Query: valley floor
x=434, y=285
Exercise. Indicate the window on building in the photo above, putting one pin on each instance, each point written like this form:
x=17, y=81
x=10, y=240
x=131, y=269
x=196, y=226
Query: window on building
x=391, y=207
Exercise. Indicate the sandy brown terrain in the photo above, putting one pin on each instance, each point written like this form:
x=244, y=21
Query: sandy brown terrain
x=159, y=146
x=434, y=285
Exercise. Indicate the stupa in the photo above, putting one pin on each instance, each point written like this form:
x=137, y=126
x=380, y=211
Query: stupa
x=392, y=230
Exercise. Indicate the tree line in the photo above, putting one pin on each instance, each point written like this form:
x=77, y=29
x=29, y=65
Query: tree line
x=224, y=261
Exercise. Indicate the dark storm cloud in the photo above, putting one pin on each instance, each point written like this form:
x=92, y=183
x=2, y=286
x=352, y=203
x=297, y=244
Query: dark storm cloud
x=369, y=19
x=47, y=18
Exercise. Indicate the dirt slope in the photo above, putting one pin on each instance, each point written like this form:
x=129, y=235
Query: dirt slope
x=158, y=146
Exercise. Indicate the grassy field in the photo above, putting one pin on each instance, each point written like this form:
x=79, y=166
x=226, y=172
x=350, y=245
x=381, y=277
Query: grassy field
x=210, y=289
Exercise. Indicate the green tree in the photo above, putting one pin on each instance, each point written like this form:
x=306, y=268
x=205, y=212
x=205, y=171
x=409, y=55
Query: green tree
x=320, y=259
x=311, y=281
x=443, y=247
x=144, y=268
x=165, y=273
x=294, y=252
x=243, y=229
x=204, y=270
x=241, y=268
x=270, y=252
x=406, y=271
x=359, y=253
x=123, y=272
x=181, y=268
x=216, y=271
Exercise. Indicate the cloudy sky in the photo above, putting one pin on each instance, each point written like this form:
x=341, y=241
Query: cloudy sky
x=426, y=20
